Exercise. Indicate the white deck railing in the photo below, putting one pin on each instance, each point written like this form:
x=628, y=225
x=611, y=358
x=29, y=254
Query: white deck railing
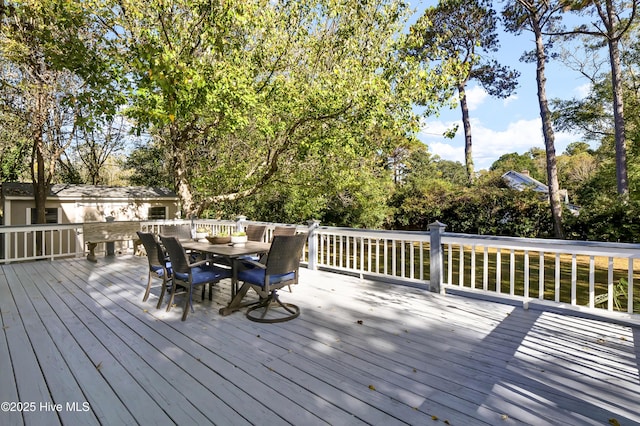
x=385, y=254
x=33, y=242
x=577, y=273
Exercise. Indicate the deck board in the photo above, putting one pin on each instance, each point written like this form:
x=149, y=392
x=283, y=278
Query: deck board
x=362, y=352
x=54, y=314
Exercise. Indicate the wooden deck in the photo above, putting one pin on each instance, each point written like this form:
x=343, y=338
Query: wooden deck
x=78, y=346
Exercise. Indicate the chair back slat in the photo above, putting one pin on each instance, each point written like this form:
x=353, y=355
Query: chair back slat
x=255, y=232
x=153, y=249
x=178, y=231
x=285, y=254
x=179, y=259
x=284, y=230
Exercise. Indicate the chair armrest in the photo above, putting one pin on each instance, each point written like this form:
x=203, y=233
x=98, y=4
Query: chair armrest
x=198, y=263
x=257, y=264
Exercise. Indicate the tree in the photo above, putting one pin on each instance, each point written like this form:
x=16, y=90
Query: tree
x=240, y=93
x=612, y=28
x=52, y=69
x=14, y=149
x=516, y=162
x=150, y=166
x=460, y=35
x=577, y=168
x=95, y=147
x=538, y=16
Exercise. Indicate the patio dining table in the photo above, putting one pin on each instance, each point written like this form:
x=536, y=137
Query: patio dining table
x=229, y=252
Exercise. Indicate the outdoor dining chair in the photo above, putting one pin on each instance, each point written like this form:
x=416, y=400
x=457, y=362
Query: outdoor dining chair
x=159, y=265
x=281, y=269
x=280, y=230
x=188, y=275
x=255, y=232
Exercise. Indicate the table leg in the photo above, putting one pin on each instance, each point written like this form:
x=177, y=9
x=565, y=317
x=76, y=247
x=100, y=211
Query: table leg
x=91, y=257
x=234, y=277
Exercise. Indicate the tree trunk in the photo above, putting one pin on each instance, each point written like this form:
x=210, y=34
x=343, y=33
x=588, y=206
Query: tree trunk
x=40, y=186
x=466, y=123
x=549, y=137
x=183, y=188
x=618, y=107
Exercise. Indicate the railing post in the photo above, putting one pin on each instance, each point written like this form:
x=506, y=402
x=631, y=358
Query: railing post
x=240, y=220
x=312, y=241
x=436, y=229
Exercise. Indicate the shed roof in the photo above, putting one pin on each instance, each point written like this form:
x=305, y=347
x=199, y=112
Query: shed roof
x=73, y=191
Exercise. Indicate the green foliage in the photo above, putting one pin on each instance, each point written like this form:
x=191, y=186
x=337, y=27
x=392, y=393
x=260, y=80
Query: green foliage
x=607, y=218
x=56, y=77
x=14, y=150
x=488, y=208
x=518, y=162
x=148, y=166
x=240, y=92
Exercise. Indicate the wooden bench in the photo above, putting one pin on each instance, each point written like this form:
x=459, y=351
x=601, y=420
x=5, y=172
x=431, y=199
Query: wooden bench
x=107, y=232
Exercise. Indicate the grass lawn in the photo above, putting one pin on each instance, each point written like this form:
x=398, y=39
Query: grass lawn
x=409, y=254
x=601, y=273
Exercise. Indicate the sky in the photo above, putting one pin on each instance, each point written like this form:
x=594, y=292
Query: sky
x=502, y=126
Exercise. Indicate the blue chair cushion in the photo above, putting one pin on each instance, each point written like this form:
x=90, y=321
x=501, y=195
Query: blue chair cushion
x=158, y=270
x=256, y=276
x=204, y=274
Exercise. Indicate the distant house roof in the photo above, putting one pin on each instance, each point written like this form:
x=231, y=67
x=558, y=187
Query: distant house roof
x=69, y=191
x=522, y=181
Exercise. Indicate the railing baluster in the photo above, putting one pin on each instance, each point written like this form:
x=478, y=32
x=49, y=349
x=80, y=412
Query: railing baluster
x=402, y=259
x=630, y=286
x=394, y=271
x=485, y=269
x=421, y=248
x=461, y=267
x=473, y=266
x=450, y=264
x=498, y=271
x=610, y=291
x=361, y=253
x=512, y=272
x=541, y=276
x=592, y=281
x=526, y=274
x=556, y=287
x=354, y=258
x=574, y=280
x=412, y=260
x=385, y=256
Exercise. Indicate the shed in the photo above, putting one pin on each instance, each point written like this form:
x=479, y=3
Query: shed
x=68, y=203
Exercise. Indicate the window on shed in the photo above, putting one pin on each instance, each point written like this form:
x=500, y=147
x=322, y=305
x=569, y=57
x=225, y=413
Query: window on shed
x=50, y=215
x=157, y=213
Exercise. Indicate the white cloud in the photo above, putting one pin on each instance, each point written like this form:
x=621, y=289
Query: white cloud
x=476, y=97
x=490, y=144
x=447, y=151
